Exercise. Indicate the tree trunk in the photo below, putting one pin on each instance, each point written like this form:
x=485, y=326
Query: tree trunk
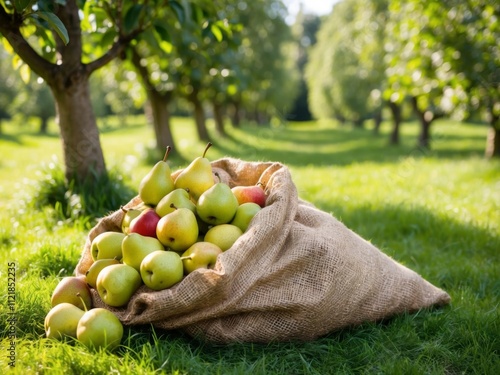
x=219, y=118
x=358, y=123
x=425, y=118
x=199, y=117
x=82, y=150
x=396, y=118
x=158, y=101
x=377, y=119
x=69, y=82
x=161, y=120
x=236, y=114
x=44, y=125
x=493, y=138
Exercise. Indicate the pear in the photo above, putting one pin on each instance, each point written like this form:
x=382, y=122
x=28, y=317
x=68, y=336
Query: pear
x=129, y=214
x=74, y=290
x=95, y=268
x=135, y=247
x=196, y=177
x=157, y=183
x=244, y=215
x=179, y=197
x=217, y=205
x=61, y=321
x=107, y=245
x=178, y=230
x=200, y=255
x=224, y=235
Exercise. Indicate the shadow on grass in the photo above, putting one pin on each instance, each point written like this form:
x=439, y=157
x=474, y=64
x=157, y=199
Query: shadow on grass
x=302, y=146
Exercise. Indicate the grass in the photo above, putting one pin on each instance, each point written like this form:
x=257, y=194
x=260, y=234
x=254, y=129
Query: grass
x=436, y=211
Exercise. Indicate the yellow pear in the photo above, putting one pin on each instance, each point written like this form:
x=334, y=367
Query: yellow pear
x=178, y=230
x=157, y=183
x=223, y=235
x=62, y=321
x=196, y=177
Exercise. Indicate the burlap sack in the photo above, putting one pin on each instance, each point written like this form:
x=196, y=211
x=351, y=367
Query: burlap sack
x=296, y=274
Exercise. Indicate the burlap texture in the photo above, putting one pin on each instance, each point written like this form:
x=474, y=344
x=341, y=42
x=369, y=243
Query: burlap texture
x=296, y=274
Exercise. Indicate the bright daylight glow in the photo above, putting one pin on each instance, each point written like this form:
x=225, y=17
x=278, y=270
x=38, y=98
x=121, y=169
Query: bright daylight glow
x=319, y=7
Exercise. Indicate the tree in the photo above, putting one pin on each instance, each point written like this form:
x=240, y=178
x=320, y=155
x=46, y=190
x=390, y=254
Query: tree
x=64, y=49
x=346, y=70
x=469, y=33
x=304, y=30
x=265, y=72
x=413, y=58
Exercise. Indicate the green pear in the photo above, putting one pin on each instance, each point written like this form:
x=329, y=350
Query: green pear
x=74, y=290
x=99, y=329
x=136, y=246
x=162, y=269
x=129, y=214
x=62, y=321
x=200, y=255
x=117, y=283
x=95, y=268
x=196, y=177
x=157, y=183
x=224, y=235
x=107, y=245
x=244, y=215
x=178, y=230
x=179, y=197
x=217, y=205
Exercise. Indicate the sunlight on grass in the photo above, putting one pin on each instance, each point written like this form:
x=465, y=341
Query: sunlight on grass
x=436, y=211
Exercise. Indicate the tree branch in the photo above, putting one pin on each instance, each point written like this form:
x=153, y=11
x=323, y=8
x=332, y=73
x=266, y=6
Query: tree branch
x=113, y=52
x=10, y=25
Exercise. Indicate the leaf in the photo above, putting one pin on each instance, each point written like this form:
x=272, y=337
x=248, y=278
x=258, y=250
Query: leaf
x=21, y=5
x=179, y=11
x=25, y=72
x=216, y=31
x=54, y=23
x=131, y=20
x=166, y=46
x=108, y=38
x=162, y=32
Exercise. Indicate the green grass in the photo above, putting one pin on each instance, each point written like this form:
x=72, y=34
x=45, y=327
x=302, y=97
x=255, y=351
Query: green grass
x=436, y=211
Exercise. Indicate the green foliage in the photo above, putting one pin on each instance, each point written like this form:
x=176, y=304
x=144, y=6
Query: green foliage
x=346, y=70
x=86, y=201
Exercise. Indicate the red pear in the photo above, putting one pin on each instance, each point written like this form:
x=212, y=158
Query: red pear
x=145, y=223
x=250, y=194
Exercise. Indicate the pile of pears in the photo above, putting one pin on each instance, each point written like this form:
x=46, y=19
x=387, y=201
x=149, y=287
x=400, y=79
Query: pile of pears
x=182, y=224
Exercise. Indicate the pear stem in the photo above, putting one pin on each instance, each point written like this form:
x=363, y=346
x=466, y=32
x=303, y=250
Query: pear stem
x=83, y=302
x=173, y=206
x=166, y=153
x=217, y=175
x=123, y=209
x=209, y=144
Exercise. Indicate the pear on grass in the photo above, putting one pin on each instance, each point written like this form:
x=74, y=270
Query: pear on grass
x=62, y=320
x=196, y=177
x=74, y=290
x=157, y=183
